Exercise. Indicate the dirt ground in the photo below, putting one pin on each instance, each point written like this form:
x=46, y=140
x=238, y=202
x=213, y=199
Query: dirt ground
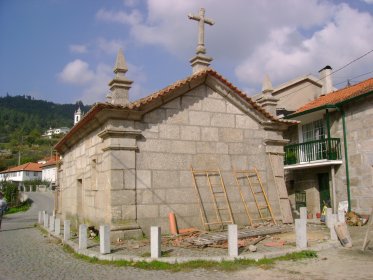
x=340, y=263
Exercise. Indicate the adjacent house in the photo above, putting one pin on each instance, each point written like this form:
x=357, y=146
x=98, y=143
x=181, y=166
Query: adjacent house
x=330, y=155
x=49, y=170
x=21, y=173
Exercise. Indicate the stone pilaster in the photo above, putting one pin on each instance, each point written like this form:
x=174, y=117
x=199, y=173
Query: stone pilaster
x=119, y=167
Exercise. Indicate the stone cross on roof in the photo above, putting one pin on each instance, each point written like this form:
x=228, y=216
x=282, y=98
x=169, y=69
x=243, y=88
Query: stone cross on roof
x=201, y=29
x=201, y=61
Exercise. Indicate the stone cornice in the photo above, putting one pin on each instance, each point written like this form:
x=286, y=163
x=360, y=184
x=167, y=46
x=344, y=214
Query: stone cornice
x=119, y=133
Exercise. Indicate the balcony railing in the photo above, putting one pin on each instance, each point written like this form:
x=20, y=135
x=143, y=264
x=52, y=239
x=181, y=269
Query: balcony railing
x=313, y=151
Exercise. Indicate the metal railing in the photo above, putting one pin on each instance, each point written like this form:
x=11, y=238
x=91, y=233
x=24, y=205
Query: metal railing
x=329, y=149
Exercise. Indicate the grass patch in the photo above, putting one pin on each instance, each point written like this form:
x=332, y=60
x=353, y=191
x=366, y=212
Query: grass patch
x=23, y=207
x=221, y=266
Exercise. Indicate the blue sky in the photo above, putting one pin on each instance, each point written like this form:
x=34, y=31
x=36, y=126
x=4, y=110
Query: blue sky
x=64, y=50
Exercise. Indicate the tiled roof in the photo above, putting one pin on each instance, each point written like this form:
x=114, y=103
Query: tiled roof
x=140, y=104
x=30, y=166
x=51, y=161
x=338, y=96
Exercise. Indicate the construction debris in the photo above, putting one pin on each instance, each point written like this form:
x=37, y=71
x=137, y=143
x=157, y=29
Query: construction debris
x=354, y=219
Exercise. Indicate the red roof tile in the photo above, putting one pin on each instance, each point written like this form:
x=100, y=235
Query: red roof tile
x=339, y=95
x=30, y=166
x=51, y=161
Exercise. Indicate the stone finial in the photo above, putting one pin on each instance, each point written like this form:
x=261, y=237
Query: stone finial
x=200, y=61
x=120, y=85
x=267, y=85
x=268, y=101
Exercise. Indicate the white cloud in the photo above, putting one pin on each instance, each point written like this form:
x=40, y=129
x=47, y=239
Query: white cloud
x=78, y=48
x=344, y=37
x=109, y=46
x=76, y=72
x=284, y=38
x=93, y=83
x=368, y=1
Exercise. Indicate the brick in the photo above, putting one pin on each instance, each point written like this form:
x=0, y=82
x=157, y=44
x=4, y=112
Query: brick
x=173, y=104
x=244, y=121
x=130, y=179
x=199, y=118
x=154, y=145
x=214, y=105
x=180, y=195
x=183, y=147
x=191, y=133
x=156, y=116
x=164, y=161
x=230, y=135
x=147, y=211
x=231, y=108
x=191, y=103
x=176, y=116
x=209, y=134
x=116, y=179
x=165, y=179
x=143, y=179
x=121, y=197
x=222, y=120
x=169, y=131
x=128, y=212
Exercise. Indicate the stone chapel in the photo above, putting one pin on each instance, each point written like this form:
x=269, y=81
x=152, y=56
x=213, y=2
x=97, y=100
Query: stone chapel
x=128, y=164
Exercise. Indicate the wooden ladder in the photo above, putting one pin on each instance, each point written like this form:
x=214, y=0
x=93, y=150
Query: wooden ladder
x=219, y=198
x=257, y=190
x=277, y=167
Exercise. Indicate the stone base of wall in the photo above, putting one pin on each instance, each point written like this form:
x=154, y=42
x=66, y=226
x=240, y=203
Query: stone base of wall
x=125, y=231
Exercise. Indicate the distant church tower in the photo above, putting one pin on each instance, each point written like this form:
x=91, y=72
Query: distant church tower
x=77, y=116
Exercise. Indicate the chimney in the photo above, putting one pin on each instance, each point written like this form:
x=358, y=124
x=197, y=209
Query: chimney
x=326, y=80
x=268, y=101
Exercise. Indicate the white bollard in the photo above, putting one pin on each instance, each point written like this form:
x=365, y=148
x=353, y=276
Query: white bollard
x=341, y=216
x=232, y=241
x=333, y=221
x=105, y=239
x=40, y=217
x=57, y=226
x=83, y=237
x=329, y=212
x=66, y=230
x=46, y=220
x=301, y=233
x=303, y=213
x=155, y=242
x=51, y=223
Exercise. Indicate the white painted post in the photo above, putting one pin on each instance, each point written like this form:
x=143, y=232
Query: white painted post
x=303, y=213
x=341, y=216
x=105, y=239
x=232, y=241
x=329, y=212
x=51, y=223
x=301, y=233
x=155, y=242
x=82, y=237
x=40, y=217
x=46, y=221
x=66, y=230
x=57, y=226
x=333, y=221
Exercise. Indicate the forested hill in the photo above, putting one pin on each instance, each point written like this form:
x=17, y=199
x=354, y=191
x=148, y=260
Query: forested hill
x=23, y=115
x=23, y=121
